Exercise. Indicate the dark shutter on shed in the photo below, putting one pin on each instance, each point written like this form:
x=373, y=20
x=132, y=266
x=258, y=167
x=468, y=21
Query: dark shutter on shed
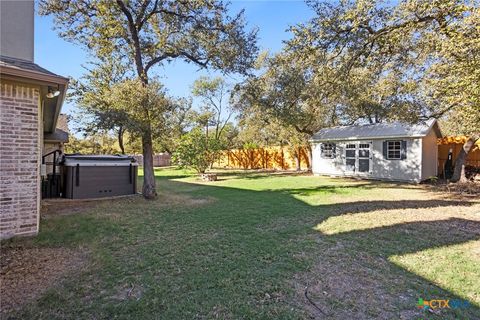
x=130, y=173
x=77, y=175
x=334, y=150
x=403, y=151
x=385, y=149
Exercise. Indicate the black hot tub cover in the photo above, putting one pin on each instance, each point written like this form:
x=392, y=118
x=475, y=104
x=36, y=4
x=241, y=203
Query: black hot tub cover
x=98, y=160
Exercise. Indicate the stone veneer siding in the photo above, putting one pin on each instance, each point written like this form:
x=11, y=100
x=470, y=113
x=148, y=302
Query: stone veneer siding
x=20, y=149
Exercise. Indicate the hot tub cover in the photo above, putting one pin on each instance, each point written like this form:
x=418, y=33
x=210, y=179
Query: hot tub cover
x=98, y=160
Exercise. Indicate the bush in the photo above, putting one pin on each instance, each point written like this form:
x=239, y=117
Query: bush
x=197, y=151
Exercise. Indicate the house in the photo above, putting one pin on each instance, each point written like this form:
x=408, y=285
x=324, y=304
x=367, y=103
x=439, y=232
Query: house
x=385, y=151
x=31, y=98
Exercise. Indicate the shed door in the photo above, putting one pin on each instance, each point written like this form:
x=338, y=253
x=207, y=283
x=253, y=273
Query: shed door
x=358, y=157
x=364, y=157
x=350, y=157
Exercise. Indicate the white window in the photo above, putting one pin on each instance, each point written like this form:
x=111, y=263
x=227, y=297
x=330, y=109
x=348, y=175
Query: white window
x=327, y=150
x=350, y=150
x=364, y=146
x=394, y=150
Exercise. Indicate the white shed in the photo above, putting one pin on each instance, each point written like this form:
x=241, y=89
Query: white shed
x=385, y=151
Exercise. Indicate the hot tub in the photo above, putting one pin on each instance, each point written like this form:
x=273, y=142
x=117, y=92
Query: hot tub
x=97, y=176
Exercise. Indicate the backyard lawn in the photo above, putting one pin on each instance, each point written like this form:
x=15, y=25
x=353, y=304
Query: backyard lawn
x=250, y=246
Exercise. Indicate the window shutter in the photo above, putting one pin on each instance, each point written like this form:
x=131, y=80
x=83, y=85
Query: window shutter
x=385, y=149
x=334, y=150
x=403, y=152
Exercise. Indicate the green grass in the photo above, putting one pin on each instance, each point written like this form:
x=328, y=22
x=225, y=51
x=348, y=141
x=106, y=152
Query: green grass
x=246, y=246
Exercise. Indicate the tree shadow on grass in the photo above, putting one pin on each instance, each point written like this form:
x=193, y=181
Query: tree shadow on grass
x=250, y=254
x=375, y=205
x=323, y=189
x=354, y=265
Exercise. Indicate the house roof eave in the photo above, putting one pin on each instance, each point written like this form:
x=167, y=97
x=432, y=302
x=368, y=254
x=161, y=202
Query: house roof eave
x=58, y=135
x=44, y=80
x=36, y=76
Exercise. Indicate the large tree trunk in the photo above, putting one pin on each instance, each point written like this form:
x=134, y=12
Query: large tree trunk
x=310, y=156
x=459, y=171
x=120, y=140
x=149, y=188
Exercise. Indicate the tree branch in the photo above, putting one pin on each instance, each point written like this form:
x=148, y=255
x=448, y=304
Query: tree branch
x=440, y=113
x=136, y=41
x=148, y=16
x=158, y=59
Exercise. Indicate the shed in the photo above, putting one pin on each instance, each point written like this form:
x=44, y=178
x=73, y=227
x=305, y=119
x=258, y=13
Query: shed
x=385, y=151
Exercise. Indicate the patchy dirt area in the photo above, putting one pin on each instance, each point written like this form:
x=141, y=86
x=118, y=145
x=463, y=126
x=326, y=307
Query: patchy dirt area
x=464, y=188
x=364, y=230
x=26, y=273
x=128, y=292
x=341, y=288
x=61, y=206
x=114, y=208
x=66, y=207
x=171, y=199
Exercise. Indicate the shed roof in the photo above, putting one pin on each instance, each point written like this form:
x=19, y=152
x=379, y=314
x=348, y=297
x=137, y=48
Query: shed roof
x=378, y=131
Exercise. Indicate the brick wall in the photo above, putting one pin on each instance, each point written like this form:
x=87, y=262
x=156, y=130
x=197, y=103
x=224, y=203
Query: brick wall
x=19, y=159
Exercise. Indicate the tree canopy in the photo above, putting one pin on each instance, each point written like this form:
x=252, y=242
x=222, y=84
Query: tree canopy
x=429, y=48
x=363, y=61
x=143, y=34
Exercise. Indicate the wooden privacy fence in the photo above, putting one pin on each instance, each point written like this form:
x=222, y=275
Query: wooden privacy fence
x=159, y=160
x=280, y=158
x=456, y=144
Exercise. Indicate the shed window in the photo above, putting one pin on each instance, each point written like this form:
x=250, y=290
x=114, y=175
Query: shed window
x=327, y=150
x=350, y=150
x=394, y=150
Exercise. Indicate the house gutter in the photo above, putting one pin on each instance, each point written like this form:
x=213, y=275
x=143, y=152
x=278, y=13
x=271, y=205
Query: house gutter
x=33, y=75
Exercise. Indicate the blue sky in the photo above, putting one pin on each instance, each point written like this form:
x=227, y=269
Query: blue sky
x=271, y=17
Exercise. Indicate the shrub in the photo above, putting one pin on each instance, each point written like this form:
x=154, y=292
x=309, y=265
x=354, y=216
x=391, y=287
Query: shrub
x=197, y=151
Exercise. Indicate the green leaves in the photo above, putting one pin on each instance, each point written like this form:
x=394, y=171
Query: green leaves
x=144, y=105
x=197, y=150
x=406, y=61
x=147, y=33
x=143, y=34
